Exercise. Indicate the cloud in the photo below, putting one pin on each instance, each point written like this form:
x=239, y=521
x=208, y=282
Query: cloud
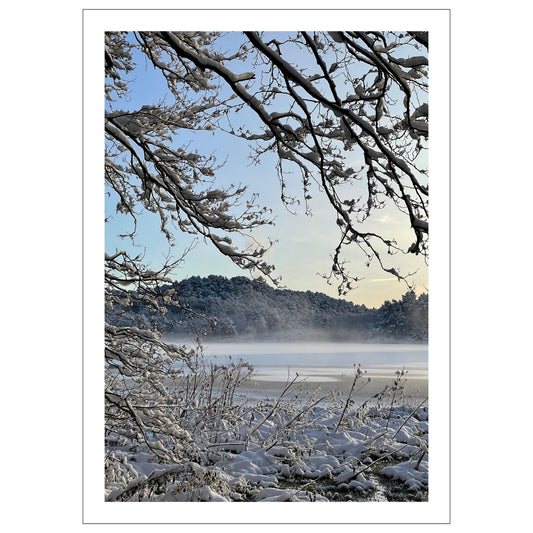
x=380, y=280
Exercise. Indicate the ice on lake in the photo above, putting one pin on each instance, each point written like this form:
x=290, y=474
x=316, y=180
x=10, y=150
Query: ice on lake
x=329, y=365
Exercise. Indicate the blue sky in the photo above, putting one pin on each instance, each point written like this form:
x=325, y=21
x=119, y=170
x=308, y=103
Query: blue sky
x=304, y=244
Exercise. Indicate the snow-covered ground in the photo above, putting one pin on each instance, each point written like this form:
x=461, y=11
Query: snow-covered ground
x=302, y=446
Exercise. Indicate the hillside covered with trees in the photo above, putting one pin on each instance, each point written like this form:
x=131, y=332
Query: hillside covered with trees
x=240, y=308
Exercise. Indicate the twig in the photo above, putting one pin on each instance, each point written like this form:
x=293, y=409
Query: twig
x=306, y=408
x=377, y=460
x=358, y=374
x=412, y=413
x=274, y=408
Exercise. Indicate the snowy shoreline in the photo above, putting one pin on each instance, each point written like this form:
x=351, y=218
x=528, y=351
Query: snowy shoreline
x=293, y=451
x=336, y=382
x=276, y=422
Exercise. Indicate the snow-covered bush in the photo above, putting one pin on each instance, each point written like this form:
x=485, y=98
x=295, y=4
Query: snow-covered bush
x=297, y=447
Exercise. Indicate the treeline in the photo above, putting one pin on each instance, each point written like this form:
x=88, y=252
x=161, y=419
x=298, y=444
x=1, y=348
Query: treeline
x=246, y=309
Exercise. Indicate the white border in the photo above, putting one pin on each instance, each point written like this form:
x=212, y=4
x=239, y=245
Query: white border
x=95, y=509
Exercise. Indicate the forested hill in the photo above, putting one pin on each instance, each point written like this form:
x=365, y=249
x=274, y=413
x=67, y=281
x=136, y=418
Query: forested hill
x=243, y=308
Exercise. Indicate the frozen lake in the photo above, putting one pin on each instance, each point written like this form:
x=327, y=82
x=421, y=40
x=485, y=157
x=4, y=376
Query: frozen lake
x=327, y=365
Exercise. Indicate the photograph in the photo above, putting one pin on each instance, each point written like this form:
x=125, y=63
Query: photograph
x=266, y=314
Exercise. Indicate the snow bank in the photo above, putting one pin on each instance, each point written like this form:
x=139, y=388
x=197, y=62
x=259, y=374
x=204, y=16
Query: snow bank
x=308, y=460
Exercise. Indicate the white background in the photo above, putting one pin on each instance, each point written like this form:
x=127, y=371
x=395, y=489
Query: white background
x=42, y=265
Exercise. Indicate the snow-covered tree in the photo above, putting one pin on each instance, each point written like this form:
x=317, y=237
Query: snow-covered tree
x=403, y=319
x=321, y=100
